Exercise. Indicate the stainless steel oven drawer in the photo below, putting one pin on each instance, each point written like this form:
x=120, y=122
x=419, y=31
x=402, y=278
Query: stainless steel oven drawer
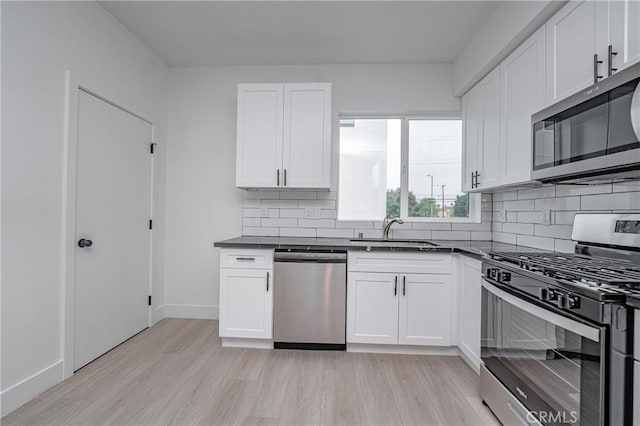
x=503, y=404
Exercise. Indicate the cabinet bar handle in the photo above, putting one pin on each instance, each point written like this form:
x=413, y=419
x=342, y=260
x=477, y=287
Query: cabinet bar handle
x=611, y=55
x=285, y=177
x=278, y=178
x=246, y=259
x=395, y=286
x=267, y=281
x=596, y=62
x=404, y=285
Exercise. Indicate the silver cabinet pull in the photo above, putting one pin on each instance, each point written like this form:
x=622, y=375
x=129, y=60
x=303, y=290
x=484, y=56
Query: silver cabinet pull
x=246, y=259
x=596, y=62
x=404, y=285
x=278, y=177
x=267, y=281
x=285, y=177
x=611, y=55
x=395, y=286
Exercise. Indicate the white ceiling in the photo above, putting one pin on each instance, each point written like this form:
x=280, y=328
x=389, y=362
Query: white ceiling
x=185, y=33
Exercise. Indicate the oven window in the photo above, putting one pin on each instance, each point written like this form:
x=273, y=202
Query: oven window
x=554, y=372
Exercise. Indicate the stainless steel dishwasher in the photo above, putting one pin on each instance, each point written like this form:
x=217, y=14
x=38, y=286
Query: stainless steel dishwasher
x=310, y=294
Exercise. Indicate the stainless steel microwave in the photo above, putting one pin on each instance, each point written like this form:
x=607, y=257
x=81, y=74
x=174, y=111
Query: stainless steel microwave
x=592, y=134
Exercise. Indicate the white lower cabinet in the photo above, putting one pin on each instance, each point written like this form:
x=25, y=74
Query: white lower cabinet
x=470, y=294
x=393, y=307
x=246, y=297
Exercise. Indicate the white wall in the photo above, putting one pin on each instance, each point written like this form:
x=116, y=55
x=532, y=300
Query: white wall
x=508, y=26
x=203, y=204
x=40, y=41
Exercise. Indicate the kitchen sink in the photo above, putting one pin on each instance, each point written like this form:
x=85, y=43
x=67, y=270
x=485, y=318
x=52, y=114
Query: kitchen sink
x=379, y=242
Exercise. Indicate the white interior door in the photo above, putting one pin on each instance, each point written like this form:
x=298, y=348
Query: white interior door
x=113, y=208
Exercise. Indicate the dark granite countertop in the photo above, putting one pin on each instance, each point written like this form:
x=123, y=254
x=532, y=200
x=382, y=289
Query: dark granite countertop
x=473, y=248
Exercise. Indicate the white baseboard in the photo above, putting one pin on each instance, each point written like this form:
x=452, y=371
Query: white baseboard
x=403, y=349
x=470, y=358
x=191, y=311
x=235, y=342
x=157, y=314
x=24, y=391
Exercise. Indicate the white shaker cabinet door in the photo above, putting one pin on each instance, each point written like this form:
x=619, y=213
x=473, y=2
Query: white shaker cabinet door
x=372, y=308
x=624, y=33
x=470, y=309
x=523, y=94
x=488, y=174
x=472, y=136
x=573, y=36
x=246, y=303
x=425, y=311
x=307, y=135
x=259, y=136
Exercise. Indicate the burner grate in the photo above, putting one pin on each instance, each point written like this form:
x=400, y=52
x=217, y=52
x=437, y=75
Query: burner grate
x=576, y=268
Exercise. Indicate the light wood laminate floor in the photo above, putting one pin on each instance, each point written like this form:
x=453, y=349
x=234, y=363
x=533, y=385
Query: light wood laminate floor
x=177, y=373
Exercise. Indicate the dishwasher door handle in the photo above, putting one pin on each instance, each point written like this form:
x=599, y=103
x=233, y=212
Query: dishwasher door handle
x=395, y=286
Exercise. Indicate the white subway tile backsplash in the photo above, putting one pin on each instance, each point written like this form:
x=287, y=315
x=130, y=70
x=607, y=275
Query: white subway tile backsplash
x=503, y=237
x=627, y=186
x=520, y=206
x=251, y=221
x=480, y=235
x=298, y=232
x=518, y=228
x=532, y=194
x=354, y=224
x=505, y=196
x=328, y=214
x=512, y=216
x=252, y=213
x=563, y=218
x=260, y=232
x=297, y=195
x=279, y=223
x=327, y=195
x=564, y=246
x=281, y=204
x=451, y=235
x=323, y=204
x=484, y=226
x=292, y=212
x=544, y=243
x=335, y=233
x=558, y=203
x=316, y=223
x=431, y=226
x=251, y=203
x=617, y=201
x=261, y=194
x=529, y=217
x=554, y=231
x=404, y=234
x=568, y=190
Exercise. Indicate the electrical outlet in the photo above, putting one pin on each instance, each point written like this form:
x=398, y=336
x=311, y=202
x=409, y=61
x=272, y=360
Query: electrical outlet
x=312, y=212
x=503, y=215
x=264, y=211
x=546, y=217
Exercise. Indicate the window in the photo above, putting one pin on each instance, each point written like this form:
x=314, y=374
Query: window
x=403, y=167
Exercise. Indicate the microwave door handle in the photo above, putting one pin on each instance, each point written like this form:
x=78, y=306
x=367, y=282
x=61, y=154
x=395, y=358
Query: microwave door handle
x=573, y=326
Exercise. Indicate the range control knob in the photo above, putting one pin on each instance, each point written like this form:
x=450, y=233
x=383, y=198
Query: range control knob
x=492, y=273
x=552, y=295
x=504, y=277
x=572, y=302
x=561, y=302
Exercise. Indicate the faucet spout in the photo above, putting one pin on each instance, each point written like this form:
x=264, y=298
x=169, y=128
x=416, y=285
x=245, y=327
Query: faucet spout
x=386, y=225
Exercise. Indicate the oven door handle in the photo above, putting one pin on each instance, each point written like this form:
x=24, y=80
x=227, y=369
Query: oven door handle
x=576, y=327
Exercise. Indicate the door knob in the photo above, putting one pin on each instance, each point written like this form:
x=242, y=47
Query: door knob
x=84, y=243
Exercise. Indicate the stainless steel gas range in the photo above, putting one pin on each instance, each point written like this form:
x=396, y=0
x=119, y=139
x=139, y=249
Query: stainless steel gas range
x=557, y=333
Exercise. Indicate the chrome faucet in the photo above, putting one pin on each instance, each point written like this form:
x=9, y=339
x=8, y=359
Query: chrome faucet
x=386, y=224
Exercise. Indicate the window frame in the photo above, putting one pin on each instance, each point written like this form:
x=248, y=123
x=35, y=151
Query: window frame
x=475, y=201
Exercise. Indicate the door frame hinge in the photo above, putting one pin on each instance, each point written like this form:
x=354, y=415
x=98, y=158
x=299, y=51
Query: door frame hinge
x=149, y=300
x=150, y=223
x=152, y=147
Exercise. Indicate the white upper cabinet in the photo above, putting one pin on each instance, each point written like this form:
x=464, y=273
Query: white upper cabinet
x=259, y=135
x=573, y=36
x=284, y=136
x=588, y=41
x=624, y=33
x=481, y=134
x=307, y=135
x=523, y=94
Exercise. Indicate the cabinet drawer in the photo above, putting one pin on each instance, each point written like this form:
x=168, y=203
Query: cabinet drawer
x=246, y=259
x=405, y=262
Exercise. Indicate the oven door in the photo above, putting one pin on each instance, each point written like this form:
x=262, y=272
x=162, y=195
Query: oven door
x=552, y=364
